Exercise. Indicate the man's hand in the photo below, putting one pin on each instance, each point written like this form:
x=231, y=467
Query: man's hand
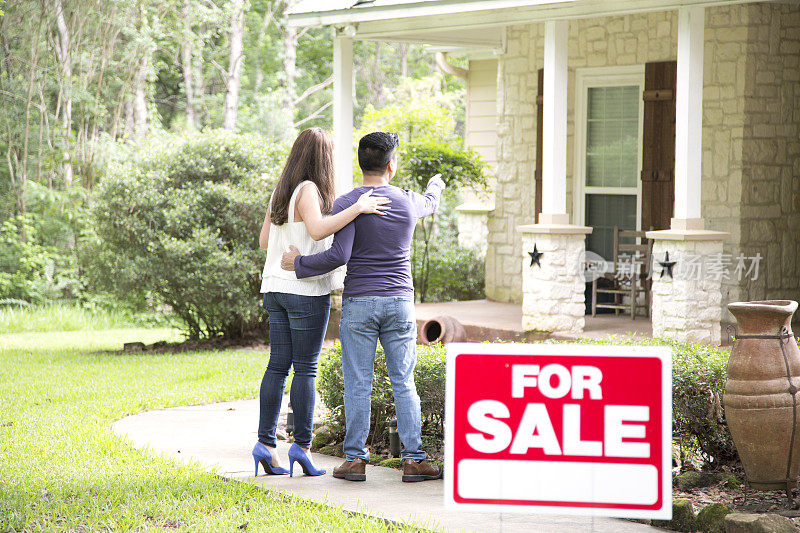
x=287, y=260
x=437, y=179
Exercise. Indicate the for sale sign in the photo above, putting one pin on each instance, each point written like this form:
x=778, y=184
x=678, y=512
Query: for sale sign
x=567, y=429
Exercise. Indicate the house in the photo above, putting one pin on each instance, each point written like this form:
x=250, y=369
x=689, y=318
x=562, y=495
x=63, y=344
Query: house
x=679, y=117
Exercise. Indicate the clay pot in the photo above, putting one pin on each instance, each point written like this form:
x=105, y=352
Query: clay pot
x=442, y=329
x=762, y=407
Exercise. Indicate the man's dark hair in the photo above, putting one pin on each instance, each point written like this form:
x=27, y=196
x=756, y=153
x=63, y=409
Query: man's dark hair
x=375, y=150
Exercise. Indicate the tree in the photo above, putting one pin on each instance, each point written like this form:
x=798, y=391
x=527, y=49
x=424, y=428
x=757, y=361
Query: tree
x=188, y=66
x=63, y=52
x=234, y=65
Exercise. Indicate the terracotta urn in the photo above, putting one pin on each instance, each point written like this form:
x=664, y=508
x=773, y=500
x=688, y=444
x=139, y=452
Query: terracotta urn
x=761, y=401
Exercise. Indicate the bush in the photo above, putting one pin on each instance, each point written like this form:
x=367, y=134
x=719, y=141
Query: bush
x=179, y=225
x=30, y=271
x=453, y=274
x=698, y=382
x=698, y=379
x=429, y=378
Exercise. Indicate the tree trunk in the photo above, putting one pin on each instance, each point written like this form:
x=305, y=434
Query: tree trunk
x=289, y=66
x=139, y=106
x=262, y=34
x=234, y=66
x=403, y=59
x=376, y=82
x=186, y=60
x=65, y=58
x=188, y=86
x=202, y=115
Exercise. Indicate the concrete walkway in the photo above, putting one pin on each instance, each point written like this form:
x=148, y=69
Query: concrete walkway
x=219, y=438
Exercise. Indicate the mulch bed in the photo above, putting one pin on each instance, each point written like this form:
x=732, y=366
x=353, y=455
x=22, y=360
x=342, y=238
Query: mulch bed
x=248, y=343
x=742, y=499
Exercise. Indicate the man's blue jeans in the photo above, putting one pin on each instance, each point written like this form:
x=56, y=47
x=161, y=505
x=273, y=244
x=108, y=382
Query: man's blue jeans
x=296, y=330
x=390, y=319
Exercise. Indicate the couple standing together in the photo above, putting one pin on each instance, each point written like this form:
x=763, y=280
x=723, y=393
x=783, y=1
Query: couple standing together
x=373, y=238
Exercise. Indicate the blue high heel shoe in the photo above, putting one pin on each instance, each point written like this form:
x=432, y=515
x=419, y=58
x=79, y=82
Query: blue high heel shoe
x=261, y=455
x=296, y=453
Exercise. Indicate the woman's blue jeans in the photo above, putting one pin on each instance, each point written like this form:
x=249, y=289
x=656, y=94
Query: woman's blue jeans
x=297, y=327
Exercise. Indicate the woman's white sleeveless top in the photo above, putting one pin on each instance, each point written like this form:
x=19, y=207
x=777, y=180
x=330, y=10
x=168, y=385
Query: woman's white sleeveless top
x=274, y=278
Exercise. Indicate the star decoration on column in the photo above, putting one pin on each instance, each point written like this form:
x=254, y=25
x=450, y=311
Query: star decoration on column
x=535, y=256
x=666, y=265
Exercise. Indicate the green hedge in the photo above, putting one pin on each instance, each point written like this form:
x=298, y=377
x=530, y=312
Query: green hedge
x=178, y=226
x=428, y=375
x=698, y=380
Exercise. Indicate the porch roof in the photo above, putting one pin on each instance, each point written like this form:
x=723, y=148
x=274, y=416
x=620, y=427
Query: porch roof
x=444, y=21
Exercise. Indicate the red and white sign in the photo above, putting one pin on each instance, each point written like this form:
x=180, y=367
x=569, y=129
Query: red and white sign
x=559, y=428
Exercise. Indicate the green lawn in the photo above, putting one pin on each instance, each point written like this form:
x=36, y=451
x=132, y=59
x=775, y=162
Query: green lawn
x=64, y=470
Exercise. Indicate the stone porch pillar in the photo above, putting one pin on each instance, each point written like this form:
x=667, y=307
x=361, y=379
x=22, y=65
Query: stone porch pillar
x=473, y=226
x=687, y=305
x=553, y=288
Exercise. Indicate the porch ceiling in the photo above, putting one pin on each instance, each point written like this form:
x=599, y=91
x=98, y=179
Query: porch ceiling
x=444, y=22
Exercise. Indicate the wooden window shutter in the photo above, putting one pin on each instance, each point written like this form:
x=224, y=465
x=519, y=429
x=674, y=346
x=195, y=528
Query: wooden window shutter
x=658, y=145
x=539, y=128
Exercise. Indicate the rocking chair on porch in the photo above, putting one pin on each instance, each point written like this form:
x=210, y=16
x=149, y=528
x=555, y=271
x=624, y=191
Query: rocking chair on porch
x=630, y=276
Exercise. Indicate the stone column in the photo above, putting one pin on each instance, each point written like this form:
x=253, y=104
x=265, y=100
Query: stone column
x=553, y=291
x=473, y=229
x=687, y=307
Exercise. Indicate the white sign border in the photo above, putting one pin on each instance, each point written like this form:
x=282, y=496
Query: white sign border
x=663, y=353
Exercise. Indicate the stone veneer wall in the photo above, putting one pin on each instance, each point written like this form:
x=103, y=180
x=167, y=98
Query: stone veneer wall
x=619, y=41
x=771, y=151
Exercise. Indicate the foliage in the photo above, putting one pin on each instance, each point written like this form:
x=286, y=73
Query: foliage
x=698, y=383
x=55, y=317
x=62, y=391
x=698, y=378
x=30, y=271
x=179, y=225
x=452, y=274
x=417, y=110
x=428, y=376
x=437, y=261
x=459, y=166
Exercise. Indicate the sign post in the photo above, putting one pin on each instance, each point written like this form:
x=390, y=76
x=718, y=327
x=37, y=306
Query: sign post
x=560, y=429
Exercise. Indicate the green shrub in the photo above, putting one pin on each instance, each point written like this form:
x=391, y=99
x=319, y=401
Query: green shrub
x=698, y=382
x=179, y=225
x=30, y=271
x=453, y=274
x=698, y=379
x=429, y=378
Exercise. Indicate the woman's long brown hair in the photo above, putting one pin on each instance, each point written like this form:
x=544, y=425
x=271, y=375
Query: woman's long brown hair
x=311, y=159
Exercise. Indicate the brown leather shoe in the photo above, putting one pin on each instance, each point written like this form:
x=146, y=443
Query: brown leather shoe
x=351, y=470
x=420, y=471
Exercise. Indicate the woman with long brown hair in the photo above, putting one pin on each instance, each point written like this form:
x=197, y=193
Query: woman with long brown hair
x=299, y=309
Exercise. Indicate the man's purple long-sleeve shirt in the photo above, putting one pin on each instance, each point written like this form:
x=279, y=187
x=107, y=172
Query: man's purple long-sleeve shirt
x=376, y=248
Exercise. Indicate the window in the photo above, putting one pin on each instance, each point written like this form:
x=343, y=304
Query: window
x=608, y=117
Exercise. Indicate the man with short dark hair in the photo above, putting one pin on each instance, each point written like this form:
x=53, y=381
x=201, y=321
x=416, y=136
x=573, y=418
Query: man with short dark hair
x=377, y=304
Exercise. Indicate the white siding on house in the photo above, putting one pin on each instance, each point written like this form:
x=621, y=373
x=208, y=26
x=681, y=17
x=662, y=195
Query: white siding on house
x=481, y=127
x=480, y=135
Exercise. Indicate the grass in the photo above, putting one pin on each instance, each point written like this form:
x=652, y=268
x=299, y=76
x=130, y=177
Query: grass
x=64, y=317
x=64, y=470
